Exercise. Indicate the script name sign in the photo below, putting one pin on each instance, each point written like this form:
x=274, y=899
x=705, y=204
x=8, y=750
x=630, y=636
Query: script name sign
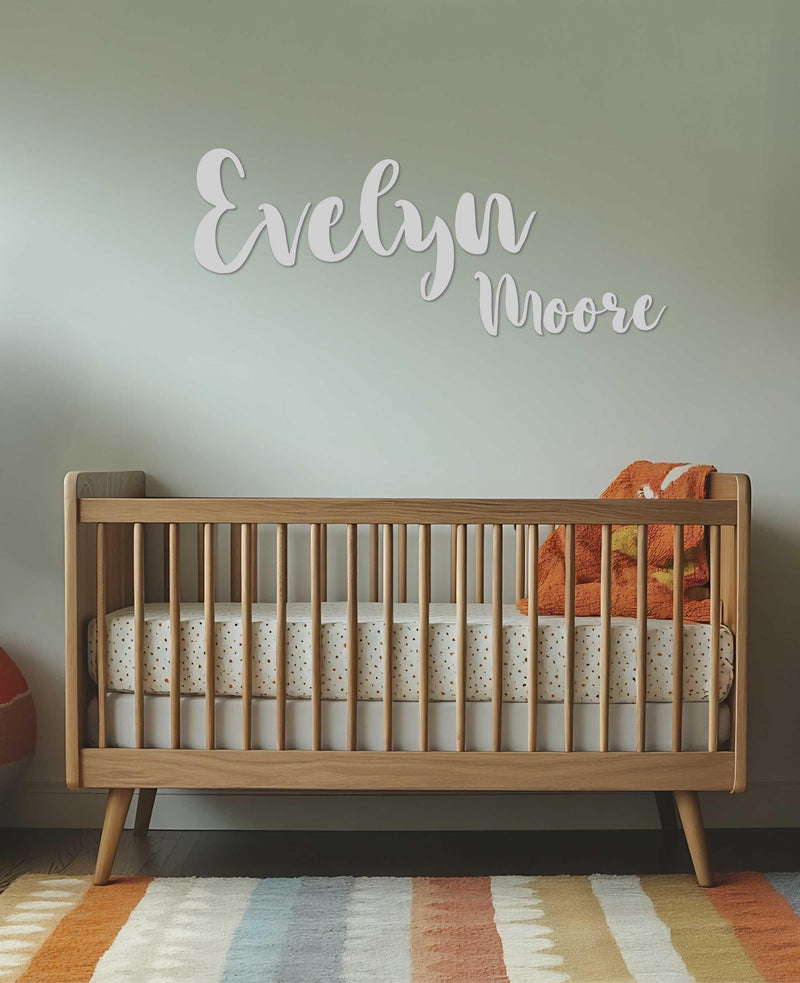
x=469, y=233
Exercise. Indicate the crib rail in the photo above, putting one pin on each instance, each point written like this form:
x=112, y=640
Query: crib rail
x=386, y=525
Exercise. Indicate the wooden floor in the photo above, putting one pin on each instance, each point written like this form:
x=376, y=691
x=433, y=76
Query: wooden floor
x=214, y=853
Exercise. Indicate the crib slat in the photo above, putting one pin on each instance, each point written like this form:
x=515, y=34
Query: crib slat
x=605, y=633
x=677, y=640
x=569, y=631
x=428, y=542
x=479, y=561
x=245, y=569
x=102, y=638
x=236, y=561
x=424, y=631
x=388, y=631
x=533, y=634
x=641, y=638
x=713, y=671
x=323, y=562
x=352, y=637
x=520, y=561
x=461, y=637
x=373, y=562
x=138, y=632
x=211, y=646
x=497, y=637
x=200, y=574
x=453, y=534
x=316, y=639
x=175, y=634
x=281, y=562
x=402, y=563
x=254, y=561
x=165, y=560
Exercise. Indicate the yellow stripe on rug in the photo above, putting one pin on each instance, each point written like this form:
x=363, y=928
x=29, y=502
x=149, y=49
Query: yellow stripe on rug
x=713, y=955
x=582, y=936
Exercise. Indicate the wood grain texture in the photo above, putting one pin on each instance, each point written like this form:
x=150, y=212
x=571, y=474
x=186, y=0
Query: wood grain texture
x=388, y=631
x=689, y=810
x=533, y=635
x=569, y=635
x=174, y=576
x=605, y=633
x=544, y=771
x=138, y=631
x=352, y=636
x=316, y=640
x=677, y=639
x=453, y=534
x=381, y=853
x=209, y=580
x=102, y=636
x=497, y=637
x=424, y=578
x=436, y=511
x=728, y=508
x=641, y=638
x=119, y=800
x=80, y=589
x=281, y=577
x=461, y=637
x=246, y=596
x=713, y=667
x=742, y=631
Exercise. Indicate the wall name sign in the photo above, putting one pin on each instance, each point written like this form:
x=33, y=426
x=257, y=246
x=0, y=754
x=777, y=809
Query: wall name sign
x=469, y=233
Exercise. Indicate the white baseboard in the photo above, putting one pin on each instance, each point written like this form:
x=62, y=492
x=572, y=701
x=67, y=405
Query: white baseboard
x=49, y=804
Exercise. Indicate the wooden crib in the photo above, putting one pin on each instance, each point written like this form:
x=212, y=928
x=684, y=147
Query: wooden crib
x=110, y=525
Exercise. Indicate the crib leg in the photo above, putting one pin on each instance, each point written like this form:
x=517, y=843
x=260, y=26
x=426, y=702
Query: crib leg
x=119, y=800
x=689, y=810
x=666, y=811
x=144, y=811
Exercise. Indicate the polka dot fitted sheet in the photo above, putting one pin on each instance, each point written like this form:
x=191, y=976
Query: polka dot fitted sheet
x=405, y=655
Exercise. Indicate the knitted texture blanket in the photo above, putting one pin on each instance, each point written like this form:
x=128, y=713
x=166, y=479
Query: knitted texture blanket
x=642, y=479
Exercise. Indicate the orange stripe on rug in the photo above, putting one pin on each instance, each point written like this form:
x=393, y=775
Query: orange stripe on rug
x=453, y=934
x=764, y=922
x=71, y=952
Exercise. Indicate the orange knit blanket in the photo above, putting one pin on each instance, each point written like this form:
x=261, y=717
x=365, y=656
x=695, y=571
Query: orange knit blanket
x=642, y=479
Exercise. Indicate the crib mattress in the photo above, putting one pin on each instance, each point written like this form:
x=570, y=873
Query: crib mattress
x=405, y=729
x=405, y=654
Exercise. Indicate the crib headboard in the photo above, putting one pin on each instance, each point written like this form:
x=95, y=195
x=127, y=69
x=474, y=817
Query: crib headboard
x=80, y=548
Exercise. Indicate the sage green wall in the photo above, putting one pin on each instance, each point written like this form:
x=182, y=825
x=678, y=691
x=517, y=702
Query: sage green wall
x=658, y=143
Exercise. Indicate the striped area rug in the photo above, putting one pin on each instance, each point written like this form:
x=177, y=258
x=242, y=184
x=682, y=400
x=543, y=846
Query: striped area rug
x=599, y=929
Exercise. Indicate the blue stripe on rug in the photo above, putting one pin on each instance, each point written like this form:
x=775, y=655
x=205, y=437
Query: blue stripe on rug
x=789, y=886
x=261, y=937
x=313, y=949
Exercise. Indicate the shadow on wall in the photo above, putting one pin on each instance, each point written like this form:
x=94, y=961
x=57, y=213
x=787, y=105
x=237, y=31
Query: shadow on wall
x=774, y=723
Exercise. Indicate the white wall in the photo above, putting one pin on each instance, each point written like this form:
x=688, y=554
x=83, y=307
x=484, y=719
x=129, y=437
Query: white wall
x=657, y=143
